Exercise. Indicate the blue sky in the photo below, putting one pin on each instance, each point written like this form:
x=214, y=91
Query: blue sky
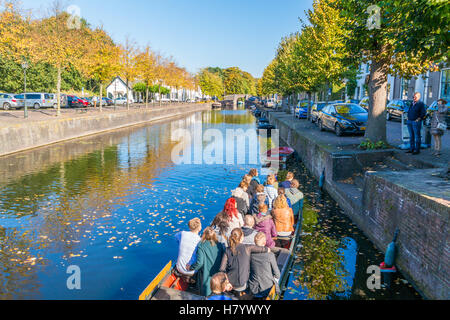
x=197, y=33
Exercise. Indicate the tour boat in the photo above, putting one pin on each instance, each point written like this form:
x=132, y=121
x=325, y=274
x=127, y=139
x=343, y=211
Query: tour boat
x=169, y=285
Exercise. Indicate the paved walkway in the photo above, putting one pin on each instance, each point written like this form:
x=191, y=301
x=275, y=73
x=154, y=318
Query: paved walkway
x=12, y=117
x=350, y=142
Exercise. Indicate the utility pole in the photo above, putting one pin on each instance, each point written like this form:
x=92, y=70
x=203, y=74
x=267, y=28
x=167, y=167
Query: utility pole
x=25, y=67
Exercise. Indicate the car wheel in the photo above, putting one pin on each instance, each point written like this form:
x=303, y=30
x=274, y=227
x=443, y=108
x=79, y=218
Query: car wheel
x=338, y=130
x=320, y=125
x=388, y=116
x=36, y=106
x=6, y=106
x=55, y=106
x=428, y=122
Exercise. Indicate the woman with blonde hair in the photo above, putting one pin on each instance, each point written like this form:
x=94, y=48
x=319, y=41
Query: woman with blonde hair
x=209, y=258
x=236, y=260
x=270, y=189
x=242, y=198
x=283, y=217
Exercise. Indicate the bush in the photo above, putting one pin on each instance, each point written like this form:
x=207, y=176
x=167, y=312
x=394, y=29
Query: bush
x=369, y=145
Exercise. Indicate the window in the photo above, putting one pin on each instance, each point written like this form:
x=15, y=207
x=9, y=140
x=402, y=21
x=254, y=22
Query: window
x=445, y=84
x=404, y=89
x=33, y=96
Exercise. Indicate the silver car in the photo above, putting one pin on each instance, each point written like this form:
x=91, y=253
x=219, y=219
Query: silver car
x=37, y=100
x=8, y=101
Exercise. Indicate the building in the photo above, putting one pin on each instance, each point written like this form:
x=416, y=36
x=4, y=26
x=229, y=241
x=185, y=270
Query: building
x=118, y=89
x=432, y=85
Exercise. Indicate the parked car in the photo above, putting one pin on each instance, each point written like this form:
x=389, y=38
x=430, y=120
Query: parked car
x=75, y=102
x=432, y=108
x=37, y=100
x=315, y=109
x=343, y=118
x=8, y=101
x=123, y=101
x=301, y=109
x=364, y=103
x=270, y=103
x=108, y=101
x=396, y=108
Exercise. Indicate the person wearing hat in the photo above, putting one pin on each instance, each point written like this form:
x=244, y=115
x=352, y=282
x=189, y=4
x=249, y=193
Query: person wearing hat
x=438, y=118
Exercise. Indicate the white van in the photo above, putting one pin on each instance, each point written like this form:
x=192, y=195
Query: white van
x=37, y=100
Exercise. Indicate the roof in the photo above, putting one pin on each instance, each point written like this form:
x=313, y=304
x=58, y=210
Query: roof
x=120, y=79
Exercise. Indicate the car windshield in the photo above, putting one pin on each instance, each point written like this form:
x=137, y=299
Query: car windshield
x=349, y=109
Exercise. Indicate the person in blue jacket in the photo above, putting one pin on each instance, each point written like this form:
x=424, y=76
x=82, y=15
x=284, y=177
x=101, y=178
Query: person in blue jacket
x=416, y=114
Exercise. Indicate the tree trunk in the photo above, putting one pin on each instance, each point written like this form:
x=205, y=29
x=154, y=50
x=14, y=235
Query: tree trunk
x=101, y=98
x=146, y=98
x=309, y=106
x=376, y=126
x=159, y=93
x=58, y=92
x=128, y=104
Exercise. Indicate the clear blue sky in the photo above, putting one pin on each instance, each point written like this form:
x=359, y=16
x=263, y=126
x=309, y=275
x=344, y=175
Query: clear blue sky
x=197, y=33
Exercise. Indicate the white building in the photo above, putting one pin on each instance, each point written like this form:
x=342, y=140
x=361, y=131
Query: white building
x=362, y=79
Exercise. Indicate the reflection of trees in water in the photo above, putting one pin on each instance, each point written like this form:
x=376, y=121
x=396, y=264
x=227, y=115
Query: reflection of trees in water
x=218, y=117
x=66, y=200
x=18, y=273
x=322, y=269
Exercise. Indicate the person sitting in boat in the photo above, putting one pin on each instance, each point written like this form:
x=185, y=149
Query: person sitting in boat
x=287, y=183
x=236, y=261
x=220, y=286
x=248, y=230
x=283, y=217
x=209, y=257
x=248, y=178
x=259, y=197
x=270, y=190
x=235, y=219
x=282, y=191
x=266, y=226
x=295, y=196
x=264, y=271
x=221, y=227
x=242, y=199
x=187, y=251
x=255, y=182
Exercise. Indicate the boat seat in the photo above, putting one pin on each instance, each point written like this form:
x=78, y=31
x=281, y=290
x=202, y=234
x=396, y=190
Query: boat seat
x=282, y=258
x=165, y=293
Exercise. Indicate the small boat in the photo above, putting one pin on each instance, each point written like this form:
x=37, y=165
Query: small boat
x=170, y=285
x=217, y=105
x=282, y=152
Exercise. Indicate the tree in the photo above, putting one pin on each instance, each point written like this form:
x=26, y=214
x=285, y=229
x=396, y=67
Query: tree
x=210, y=83
x=55, y=43
x=102, y=63
x=397, y=37
x=128, y=67
x=146, y=64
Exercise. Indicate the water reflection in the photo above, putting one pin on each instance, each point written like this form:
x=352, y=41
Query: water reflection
x=110, y=204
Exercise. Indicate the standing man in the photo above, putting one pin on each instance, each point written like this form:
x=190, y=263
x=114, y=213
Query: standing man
x=416, y=114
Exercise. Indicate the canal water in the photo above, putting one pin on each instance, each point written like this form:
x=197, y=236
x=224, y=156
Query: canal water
x=110, y=204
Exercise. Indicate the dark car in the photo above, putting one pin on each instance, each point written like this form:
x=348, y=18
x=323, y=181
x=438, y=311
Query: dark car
x=108, y=101
x=433, y=108
x=75, y=102
x=396, y=108
x=343, y=118
x=315, y=109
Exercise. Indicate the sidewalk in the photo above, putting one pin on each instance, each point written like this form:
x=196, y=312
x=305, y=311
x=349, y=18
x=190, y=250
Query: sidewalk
x=351, y=142
x=13, y=117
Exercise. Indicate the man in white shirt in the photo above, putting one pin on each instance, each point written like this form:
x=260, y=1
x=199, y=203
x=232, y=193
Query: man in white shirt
x=188, y=242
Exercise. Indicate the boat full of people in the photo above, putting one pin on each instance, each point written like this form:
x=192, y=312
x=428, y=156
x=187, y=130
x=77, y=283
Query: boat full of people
x=244, y=254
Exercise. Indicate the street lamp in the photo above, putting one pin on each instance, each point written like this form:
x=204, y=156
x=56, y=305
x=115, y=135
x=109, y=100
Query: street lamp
x=25, y=67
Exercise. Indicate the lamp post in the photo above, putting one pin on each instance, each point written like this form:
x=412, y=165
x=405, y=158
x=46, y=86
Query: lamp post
x=25, y=67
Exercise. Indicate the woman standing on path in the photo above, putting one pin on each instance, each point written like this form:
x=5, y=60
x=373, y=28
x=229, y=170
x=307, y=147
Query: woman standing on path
x=438, y=118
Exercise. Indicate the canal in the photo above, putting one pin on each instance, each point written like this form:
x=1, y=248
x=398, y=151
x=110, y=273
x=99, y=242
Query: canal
x=111, y=204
